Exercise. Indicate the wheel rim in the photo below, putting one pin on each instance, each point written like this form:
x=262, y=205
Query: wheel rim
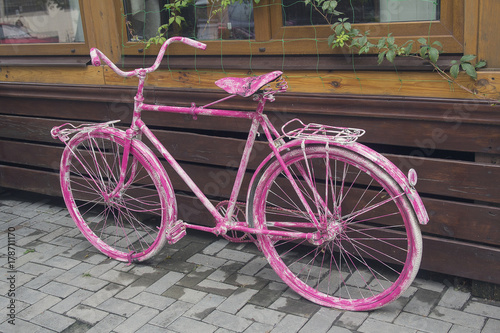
x=128, y=226
x=364, y=260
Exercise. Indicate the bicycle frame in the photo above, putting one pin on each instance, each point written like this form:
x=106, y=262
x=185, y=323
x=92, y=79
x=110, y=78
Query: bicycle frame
x=258, y=119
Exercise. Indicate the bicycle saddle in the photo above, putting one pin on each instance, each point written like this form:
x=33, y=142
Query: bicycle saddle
x=246, y=86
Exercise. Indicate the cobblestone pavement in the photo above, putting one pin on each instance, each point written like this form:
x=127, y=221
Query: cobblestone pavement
x=57, y=282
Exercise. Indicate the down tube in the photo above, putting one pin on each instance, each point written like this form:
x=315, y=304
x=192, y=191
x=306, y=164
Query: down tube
x=180, y=171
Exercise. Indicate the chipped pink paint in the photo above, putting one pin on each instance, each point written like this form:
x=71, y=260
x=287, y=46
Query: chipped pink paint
x=174, y=229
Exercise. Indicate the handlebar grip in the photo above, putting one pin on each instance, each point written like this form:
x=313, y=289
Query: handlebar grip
x=194, y=43
x=94, y=57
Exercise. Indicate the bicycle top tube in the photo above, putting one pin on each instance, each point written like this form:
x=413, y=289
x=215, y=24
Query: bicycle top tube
x=96, y=56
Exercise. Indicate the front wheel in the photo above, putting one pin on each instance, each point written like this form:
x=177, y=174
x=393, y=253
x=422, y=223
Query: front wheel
x=367, y=244
x=127, y=224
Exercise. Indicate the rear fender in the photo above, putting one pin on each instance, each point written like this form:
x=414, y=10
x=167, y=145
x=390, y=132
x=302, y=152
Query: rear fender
x=407, y=186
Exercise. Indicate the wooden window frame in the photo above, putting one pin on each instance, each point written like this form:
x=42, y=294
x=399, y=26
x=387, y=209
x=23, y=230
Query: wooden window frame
x=99, y=30
x=272, y=38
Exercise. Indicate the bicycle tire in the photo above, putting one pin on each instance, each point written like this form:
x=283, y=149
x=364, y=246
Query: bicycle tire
x=368, y=255
x=130, y=227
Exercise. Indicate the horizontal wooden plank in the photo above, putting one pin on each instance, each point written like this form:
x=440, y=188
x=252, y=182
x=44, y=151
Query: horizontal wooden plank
x=120, y=99
x=45, y=74
x=458, y=258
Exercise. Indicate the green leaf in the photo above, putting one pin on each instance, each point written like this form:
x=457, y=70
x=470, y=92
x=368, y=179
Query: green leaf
x=338, y=29
x=467, y=58
x=347, y=26
x=470, y=70
x=480, y=64
x=381, y=43
x=422, y=41
x=381, y=56
x=433, y=55
x=408, y=48
x=391, y=55
x=423, y=51
x=390, y=40
x=438, y=43
x=454, y=70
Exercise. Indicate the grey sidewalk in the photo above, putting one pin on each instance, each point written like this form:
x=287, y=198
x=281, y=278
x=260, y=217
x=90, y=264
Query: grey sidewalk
x=58, y=282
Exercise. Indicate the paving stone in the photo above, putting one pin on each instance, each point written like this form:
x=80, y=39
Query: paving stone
x=103, y=267
x=463, y=329
x=119, y=307
x=259, y=328
x=62, y=262
x=428, y=285
x=87, y=314
x=205, y=260
x=226, y=270
x=29, y=295
x=204, y=307
x=160, y=286
x=352, y=320
x=148, y=328
x=372, y=325
x=235, y=255
x=153, y=300
x=39, y=307
x=77, y=271
x=34, y=268
x=137, y=320
x=118, y=277
x=215, y=287
x=269, y=274
x=321, y=321
x=458, y=317
x=185, y=294
x=53, y=321
x=215, y=247
x=23, y=326
x=170, y=314
x=266, y=296
x=338, y=329
x=483, y=309
x=188, y=325
x=107, y=324
x=58, y=289
x=228, y=321
x=454, y=299
x=88, y=283
x=71, y=301
x=260, y=314
x=491, y=326
x=297, y=307
x=390, y=311
x=423, y=324
x=237, y=300
x=291, y=323
x=135, y=288
x=422, y=302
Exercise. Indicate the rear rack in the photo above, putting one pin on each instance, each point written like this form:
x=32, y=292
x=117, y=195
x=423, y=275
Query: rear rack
x=64, y=131
x=321, y=132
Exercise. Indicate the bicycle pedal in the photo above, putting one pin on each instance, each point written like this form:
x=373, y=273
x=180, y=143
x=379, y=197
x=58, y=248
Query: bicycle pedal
x=176, y=232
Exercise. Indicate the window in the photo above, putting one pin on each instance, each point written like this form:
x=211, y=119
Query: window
x=41, y=27
x=274, y=27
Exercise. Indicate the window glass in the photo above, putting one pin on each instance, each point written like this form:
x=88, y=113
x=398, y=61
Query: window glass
x=40, y=21
x=296, y=12
x=200, y=19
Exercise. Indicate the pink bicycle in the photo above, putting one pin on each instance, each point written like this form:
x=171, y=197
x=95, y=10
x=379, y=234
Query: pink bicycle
x=336, y=220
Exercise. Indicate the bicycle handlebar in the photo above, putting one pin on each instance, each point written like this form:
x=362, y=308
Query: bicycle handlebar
x=96, y=57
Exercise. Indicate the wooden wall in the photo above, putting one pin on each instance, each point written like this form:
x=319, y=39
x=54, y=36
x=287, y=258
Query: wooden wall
x=453, y=143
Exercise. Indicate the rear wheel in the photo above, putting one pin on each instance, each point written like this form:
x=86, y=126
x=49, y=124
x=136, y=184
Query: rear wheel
x=128, y=225
x=367, y=246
